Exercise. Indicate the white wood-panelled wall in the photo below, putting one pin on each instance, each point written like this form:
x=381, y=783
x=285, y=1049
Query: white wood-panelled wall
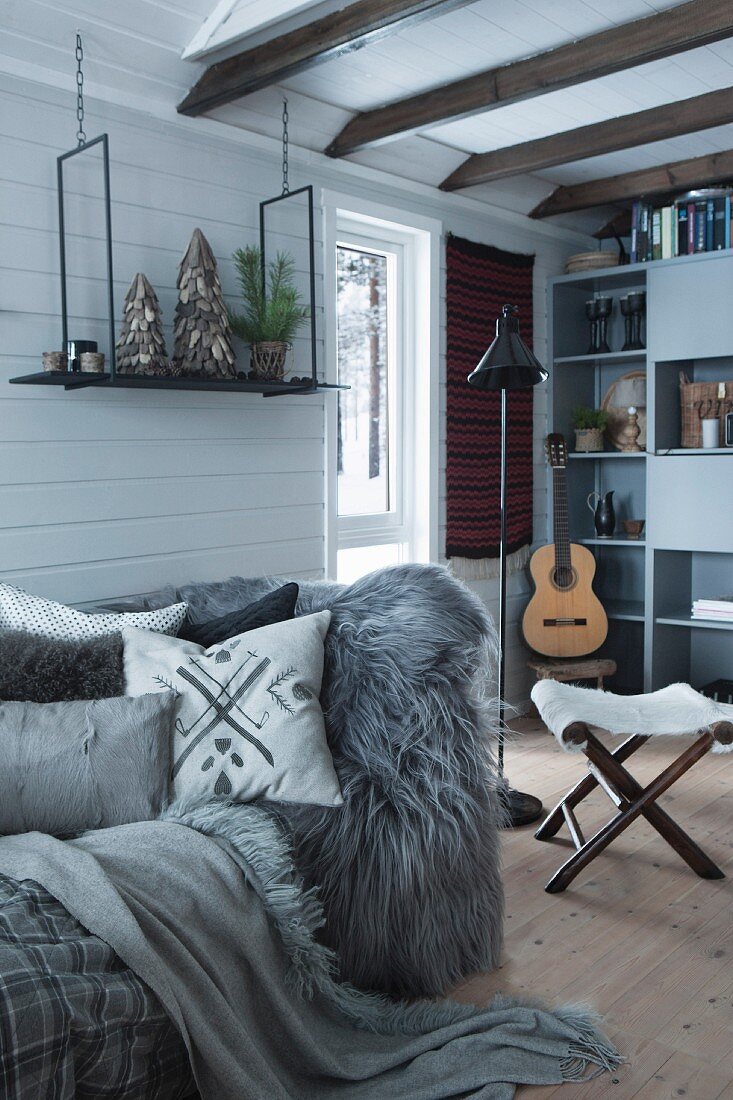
x=104, y=494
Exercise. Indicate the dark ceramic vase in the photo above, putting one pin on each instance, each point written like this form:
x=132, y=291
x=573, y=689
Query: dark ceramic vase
x=604, y=516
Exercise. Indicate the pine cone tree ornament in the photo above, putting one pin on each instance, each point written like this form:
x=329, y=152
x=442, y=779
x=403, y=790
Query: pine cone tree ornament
x=203, y=336
x=140, y=348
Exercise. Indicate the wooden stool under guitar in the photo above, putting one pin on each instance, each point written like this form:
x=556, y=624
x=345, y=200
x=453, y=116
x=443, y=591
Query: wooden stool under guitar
x=564, y=617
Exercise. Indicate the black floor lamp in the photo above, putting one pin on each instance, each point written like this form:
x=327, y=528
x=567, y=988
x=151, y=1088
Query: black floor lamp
x=508, y=365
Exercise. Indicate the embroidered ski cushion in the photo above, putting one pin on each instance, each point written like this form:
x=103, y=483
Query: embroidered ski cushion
x=19, y=610
x=273, y=607
x=249, y=721
x=67, y=767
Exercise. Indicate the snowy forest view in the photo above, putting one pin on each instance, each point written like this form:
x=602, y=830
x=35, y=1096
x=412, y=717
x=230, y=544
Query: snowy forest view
x=363, y=420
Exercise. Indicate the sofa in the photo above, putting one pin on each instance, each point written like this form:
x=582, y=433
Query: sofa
x=408, y=869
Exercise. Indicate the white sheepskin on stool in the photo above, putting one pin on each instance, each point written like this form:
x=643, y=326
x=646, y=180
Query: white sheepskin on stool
x=676, y=710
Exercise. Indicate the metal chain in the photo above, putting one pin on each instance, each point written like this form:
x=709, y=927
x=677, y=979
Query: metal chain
x=286, y=184
x=81, y=137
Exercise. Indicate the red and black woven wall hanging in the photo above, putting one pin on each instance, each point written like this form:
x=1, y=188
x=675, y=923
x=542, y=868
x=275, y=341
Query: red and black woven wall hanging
x=480, y=280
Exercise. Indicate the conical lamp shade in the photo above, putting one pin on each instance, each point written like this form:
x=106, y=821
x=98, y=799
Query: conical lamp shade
x=508, y=364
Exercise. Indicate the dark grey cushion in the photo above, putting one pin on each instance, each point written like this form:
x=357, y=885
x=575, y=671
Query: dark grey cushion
x=66, y=767
x=273, y=607
x=408, y=868
x=46, y=670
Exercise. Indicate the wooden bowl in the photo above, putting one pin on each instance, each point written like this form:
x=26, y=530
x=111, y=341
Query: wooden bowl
x=633, y=528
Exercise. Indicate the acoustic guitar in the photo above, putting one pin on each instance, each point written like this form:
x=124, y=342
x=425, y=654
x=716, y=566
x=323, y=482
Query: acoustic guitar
x=564, y=618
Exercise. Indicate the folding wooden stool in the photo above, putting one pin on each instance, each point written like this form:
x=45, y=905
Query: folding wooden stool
x=676, y=710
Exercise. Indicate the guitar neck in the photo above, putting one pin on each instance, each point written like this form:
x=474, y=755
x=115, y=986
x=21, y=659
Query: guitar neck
x=561, y=535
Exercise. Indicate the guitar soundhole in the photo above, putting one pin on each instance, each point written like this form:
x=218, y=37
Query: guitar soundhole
x=563, y=577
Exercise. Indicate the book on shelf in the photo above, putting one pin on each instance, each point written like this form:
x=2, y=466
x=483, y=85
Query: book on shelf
x=697, y=222
x=666, y=223
x=644, y=241
x=635, y=233
x=656, y=235
x=720, y=603
x=721, y=223
x=681, y=230
x=701, y=226
x=720, y=609
x=691, y=227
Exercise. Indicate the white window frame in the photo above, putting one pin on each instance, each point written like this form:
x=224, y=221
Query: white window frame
x=360, y=530
x=415, y=526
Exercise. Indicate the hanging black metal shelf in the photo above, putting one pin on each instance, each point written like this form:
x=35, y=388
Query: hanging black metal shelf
x=111, y=379
x=72, y=380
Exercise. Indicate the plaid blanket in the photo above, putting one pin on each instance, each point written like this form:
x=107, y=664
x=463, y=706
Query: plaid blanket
x=206, y=907
x=75, y=1022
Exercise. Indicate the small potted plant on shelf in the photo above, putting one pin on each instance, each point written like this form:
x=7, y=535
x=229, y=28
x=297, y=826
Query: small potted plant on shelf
x=273, y=310
x=589, y=425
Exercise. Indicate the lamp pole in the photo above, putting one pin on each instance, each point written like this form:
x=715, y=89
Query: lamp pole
x=502, y=584
x=508, y=365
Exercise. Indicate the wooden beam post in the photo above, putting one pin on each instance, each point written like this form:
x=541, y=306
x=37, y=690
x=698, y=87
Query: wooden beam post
x=684, y=27
x=342, y=32
x=618, y=226
x=655, y=124
x=671, y=178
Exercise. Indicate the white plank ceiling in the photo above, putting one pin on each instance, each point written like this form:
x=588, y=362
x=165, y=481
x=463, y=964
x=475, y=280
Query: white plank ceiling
x=135, y=49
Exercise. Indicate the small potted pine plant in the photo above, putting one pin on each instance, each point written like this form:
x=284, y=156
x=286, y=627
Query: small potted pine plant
x=589, y=424
x=273, y=310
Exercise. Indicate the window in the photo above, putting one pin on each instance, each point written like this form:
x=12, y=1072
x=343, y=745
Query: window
x=379, y=322
x=372, y=512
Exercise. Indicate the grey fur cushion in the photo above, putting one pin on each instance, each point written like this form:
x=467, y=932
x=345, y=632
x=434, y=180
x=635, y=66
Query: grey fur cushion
x=408, y=868
x=66, y=767
x=46, y=670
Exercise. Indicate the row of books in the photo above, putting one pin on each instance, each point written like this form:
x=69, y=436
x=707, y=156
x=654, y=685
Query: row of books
x=698, y=225
x=720, y=610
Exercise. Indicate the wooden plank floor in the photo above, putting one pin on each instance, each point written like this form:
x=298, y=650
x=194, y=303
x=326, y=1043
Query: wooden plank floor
x=637, y=935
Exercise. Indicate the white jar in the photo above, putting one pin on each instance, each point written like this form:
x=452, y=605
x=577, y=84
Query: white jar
x=710, y=433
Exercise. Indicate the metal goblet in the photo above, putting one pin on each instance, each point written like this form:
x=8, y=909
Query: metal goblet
x=637, y=305
x=605, y=308
x=626, y=314
x=591, y=312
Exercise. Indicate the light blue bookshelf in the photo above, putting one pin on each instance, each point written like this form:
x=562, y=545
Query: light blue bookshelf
x=685, y=496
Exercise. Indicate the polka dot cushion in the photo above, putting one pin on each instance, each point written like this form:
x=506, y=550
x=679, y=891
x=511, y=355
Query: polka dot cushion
x=21, y=611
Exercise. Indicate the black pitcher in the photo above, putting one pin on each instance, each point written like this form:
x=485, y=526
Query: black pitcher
x=604, y=515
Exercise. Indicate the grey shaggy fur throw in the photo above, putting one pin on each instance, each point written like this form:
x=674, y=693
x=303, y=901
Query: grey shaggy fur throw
x=408, y=868
x=45, y=670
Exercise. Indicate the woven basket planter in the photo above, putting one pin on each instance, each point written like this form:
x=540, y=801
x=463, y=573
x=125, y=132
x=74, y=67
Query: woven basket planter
x=699, y=401
x=269, y=359
x=588, y=439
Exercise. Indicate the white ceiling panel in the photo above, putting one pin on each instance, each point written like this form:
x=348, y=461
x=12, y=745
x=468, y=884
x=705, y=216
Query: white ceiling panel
x=233, y=19
x=311, y=125
x=133, y=48
x=643, y=156
x=474, y=38
x=637, y=89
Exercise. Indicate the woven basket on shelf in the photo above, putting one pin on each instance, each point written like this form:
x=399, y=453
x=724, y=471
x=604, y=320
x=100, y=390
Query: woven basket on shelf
x=701, y=401
x=589, y=261
x=588, y=439
x=269, y=359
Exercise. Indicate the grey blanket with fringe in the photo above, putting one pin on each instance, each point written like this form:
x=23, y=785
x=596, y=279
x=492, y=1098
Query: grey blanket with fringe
x=205, y=908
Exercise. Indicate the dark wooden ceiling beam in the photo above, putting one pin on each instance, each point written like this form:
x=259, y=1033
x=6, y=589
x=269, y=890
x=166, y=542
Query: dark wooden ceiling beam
x=665, y=179
x=656, y=124
x=696, y=23
x=342, y=32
